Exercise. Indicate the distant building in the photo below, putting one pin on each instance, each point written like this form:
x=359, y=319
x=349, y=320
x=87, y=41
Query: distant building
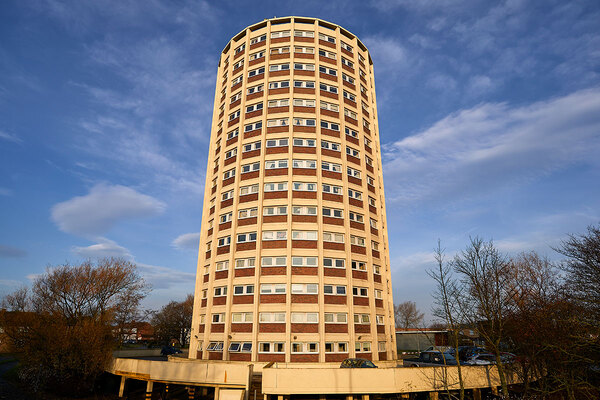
x=414, y=339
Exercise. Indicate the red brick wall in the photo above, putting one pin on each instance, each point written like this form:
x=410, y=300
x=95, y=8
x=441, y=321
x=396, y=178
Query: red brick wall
x=215, y=355
x=336, y=357
x=304, y=298
x=304, y=271
x=274, y=244
x=240, y=356
x=331, y=299
x=362, y=328
x=272, y=271
x=244, y=272
x=219, y=301
x=241, y=327
x=361, y=301
x=274, y=218
x=272, y=298
x=305, y=328
x=359, y=274
x=271, y=357
x=336, y=328
x=217, y=327
x=244, y=299
x=334, y=272
x=304, y=358
x=271, y=327
x=304, y=244
x=368, y=356
x=221, y=275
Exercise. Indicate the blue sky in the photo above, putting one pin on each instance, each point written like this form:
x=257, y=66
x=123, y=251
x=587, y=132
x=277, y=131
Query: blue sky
x=489, y=119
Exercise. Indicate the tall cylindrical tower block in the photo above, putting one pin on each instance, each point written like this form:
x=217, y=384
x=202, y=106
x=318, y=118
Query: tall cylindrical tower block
x=293, y=263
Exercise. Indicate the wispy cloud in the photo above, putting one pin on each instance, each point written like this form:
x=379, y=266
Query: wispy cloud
x=10, y=137
x=105, y=248
x=491, y=145
x=187, y=241
x=11, y=252
x=165, y=277
x=102, y=208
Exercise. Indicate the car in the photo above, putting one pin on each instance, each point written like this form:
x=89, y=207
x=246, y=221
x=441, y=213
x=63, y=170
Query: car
x=467, y=352
x=430, y=358
x=481, y=359
x=169, y=350
x=357, y=363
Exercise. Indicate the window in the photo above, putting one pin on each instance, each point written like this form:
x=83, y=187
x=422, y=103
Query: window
x=279, y=85
x=224, y=218
x=224, y=241
x=356, y=217
x=326, y=38
x=347, y=62
x=365, y=123
x=238, y=64
x=360, y=291
x=338, y=290
x=274, y=235
x=304, y=84
x=276, y=186
x=299, y=33
x=248, y=213
x=363, y=89
x=240, y=48
x=304, y=235
x=381, y=346
x=305, y=318
x=304, y=50
x=352, y=152
x=246, y=237
x=305, y=288
x=250, y=189
x=280, y=34
x=272, y=288
x=328, y=71
x=326, y=166
x=304, y=142
x=328, y=88
x=273, y=164
x=277, y=143
x=233, y=134
x=327, y=54
x=241, y=317
x=362, y=319
x=376, y=269
x=258, y=39
x=345, y=46
x=332, y=189
x=361, y=58
x=330, y=125
x=367, y=142
x=252, y=146
x=329, y=106
x=227, y=195
x=309, y=164
x=333, y=237
x=252, y=127
x=357, y=240
x=236, y=97
x=257, y=55
x=359, y=265
x=279, y=67
x=218, y=318
x=378, y=294
x=278, y=210
x=245, y=263
x=370, y=181
x=215, y=346
x=304, y=186
x=304, y=210
x=304, y=103
x=231, y=153
x=277, y=122
x=304, y=67
x=255, y=89
x=221, y=291
x=279, y=103
x=273, y=262
x=354, y=194
x=312, y=347
x=267, y=347
x=243, y=290
x=304, y=261
x=362, y=347
x=364, y=106
x=277, y=317
x=304, y=122
x=369, y=161
x=374, y=245
x=379, y=319
x=280, y=50
x=237, y=80
x=349, y=96
x=350, y=113
x=250, y=167
x=335, y=318
x=244, y=347
x=254, y=107
x=229, y=174
x=222, y=265
x=333, y=212
x=333, y=347
x=353, y=172
x=334, y=262
x=234, y=115
x=372, y=202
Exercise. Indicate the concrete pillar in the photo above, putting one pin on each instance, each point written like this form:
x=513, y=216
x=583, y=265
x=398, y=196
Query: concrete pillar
x=122, y=387
x=365, y=397
x=149, y=387
x=433, y=395
x=217, y=393
x=191, y=392
x=476, y=394
x=349, y=397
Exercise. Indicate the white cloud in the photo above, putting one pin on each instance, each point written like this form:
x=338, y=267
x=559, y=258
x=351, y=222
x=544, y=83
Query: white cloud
x=105, y=248
x=475, y=150
x=187, y=241
x=9, y=137
x=102, y=208
x=388, y=53
x=164, y=277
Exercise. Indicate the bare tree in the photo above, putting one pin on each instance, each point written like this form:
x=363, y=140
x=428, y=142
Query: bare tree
x=407, y=315
x=174, y=321
x=446, y=304
x=17, y=300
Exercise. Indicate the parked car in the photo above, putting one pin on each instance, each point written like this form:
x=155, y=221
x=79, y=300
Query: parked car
x=168, y=350
x=431, y=358
x=467, y=352
x=481, y=359
x=357, y=363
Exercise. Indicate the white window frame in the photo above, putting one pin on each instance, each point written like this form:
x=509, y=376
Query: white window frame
x=333, y=237
x=335, y=262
